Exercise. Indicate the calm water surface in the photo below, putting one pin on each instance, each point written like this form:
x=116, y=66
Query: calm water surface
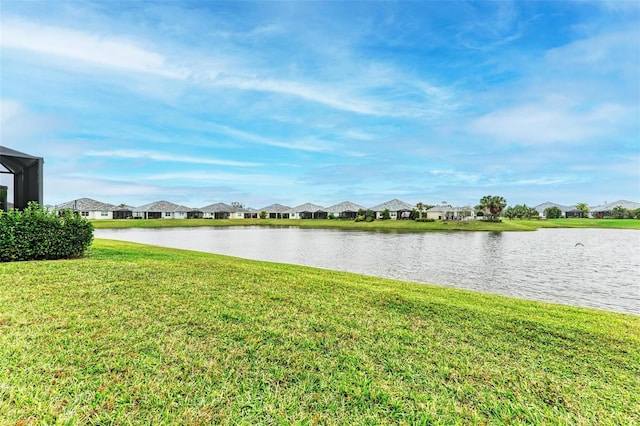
x=602, y=271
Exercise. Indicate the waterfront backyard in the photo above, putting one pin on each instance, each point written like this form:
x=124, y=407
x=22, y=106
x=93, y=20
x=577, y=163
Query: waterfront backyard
x=134, y=334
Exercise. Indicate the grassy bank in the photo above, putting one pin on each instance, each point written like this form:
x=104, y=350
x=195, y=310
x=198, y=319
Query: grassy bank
x=381, y=225
x=144, y=335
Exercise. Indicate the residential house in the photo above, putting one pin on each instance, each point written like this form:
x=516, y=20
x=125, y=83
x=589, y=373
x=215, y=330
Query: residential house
x=244, y=213
x=397, y=209
x=217, y=211
x=345, y=210
x=448, y=212
x=163, y=210
x=606, y=210
x=276, y=211
x=123, y=211
x=540, y=208
x=89, y=208
x=308, y=211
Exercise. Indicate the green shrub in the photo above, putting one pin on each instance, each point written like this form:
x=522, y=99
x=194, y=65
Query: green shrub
x=39, y=234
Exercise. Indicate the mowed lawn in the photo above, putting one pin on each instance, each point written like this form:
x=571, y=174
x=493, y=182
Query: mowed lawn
x=134, y=334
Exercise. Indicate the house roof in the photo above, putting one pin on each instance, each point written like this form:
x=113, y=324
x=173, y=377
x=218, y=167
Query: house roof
x=86, y=204
x=345, y=206
x=449, y=208
x=542, y=207
x=392, y=205
x=307, y=207
x=162, y=206
x=217, y=208
x=630, y=205
x=276, y=208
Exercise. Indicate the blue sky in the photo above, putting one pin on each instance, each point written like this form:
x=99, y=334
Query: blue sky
x=293, y=102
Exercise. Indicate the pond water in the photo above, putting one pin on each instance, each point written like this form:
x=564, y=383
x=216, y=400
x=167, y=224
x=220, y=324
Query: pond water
x=582, y=267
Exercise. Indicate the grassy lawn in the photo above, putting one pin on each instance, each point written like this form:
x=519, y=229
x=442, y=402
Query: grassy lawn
x=134, y=334
x=380, y=225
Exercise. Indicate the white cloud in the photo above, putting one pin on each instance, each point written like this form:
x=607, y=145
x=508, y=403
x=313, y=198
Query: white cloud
x=158, y=156
x=311, y=145
x=356, y=94
x=547, y=122
x=254, y=180
x=100, y=50
x=18, y=123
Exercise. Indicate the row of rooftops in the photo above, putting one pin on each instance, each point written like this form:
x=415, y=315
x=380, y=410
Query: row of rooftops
x=88, y=204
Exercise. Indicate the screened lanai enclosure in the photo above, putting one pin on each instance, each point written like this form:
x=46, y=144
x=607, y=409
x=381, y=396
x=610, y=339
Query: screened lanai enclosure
x=27, y=179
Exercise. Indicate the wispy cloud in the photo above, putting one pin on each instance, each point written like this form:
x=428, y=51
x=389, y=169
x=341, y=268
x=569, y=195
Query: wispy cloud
x=255, y=180
x=159, y=156
x=547, y=123
x=101, y=50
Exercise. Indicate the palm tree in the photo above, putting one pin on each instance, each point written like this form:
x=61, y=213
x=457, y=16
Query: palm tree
x=584, y=208
x=492, y=205
x=420, y=207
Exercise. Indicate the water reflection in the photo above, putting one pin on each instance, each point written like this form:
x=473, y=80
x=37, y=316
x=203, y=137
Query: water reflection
x=602, y=272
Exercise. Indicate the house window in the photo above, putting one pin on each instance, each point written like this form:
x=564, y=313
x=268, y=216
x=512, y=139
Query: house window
x=104, y=214
x=167, y=214
x=84, y=214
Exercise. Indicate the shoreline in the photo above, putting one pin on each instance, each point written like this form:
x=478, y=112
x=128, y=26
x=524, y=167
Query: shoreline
x=506, y=225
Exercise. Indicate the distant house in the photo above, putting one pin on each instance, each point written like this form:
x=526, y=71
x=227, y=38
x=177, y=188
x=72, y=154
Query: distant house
x=276, y=211
x=606, y=210
x=89, y=208
x=540, y=208
x=574, y=213
x=163, y=210
x=308, y=211
x=345, y=210
x=123, y=211
x=244, y=213
x=447, y=212
x=397, y=209
x=217, y=211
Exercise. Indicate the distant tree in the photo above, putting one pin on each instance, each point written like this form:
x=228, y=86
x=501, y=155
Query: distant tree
x=420, y=207
x=263, y=214
x=553, y=212
x=492, y=205
x=237, y=205
x=385, y=215
x=636, y=213
x=370, y=215
x=584, y=208
x=509, y=212
x=619, y=212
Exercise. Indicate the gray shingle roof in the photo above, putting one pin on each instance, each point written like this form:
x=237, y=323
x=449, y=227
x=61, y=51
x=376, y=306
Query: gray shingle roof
x=450, y=209
x=162, y=206
x=392, y=205
x=217, y=208
x=630, y=205
x=86, y=205
x=345, y=206
x=276, y=208
x=307, y=207
x=540, y=208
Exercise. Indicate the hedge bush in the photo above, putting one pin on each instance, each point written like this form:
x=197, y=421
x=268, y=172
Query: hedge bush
x=39, y=234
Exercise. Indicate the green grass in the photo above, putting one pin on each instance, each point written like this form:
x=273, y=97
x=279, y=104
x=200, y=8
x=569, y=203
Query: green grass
x=134, y=334
x=380, y=225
